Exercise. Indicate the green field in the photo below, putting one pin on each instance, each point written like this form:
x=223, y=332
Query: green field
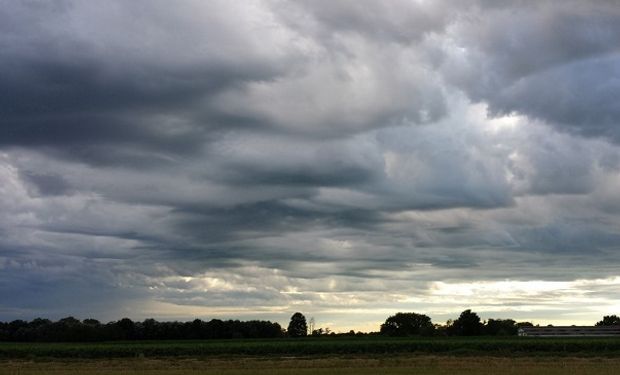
x=375, y=346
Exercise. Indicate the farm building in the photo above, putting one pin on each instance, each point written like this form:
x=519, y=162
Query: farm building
x=570, y=331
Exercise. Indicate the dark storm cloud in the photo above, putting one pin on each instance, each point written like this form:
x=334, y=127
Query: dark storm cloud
x=73, y=81
x=47, y=285
x=47, y=184
x=295, y=154
x=272, y=160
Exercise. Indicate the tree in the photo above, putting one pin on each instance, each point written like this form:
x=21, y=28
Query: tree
x=297, y=327
x=407, y=324
x=91, y=322
x=127, y=328
x=72, y=330
x=609, y=320
x=500, y=327
x=524, y=324
x=468, y=324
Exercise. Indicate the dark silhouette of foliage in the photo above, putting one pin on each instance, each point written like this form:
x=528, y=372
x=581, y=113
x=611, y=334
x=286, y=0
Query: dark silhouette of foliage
x=468, y=324
x=127, y=329
x=609, y=320
x=524, y=324
x=500, y=327
x=72, y=330
x=407, y=324
x=298, y=326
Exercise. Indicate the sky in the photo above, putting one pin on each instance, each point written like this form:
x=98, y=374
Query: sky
x=348, y=160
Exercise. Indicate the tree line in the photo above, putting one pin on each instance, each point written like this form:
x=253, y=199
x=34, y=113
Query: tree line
x=467, y=324
x=413, y=324
x=73, y=330
x=401, y=324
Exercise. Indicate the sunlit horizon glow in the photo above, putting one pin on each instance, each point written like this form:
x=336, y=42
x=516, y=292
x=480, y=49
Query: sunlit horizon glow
x=507, y=299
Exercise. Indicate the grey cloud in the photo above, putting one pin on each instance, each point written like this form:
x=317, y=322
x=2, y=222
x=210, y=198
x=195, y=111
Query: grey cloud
x=50, y=284
x=400, y=21
x=47, y=184
x=578, y=96
x=569, y=237
x=272, y=160
x=549, y=163
x=201, y=158
x=556, y=62
x=90, y=81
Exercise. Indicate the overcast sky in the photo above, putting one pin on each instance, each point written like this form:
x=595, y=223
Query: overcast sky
x=349, y=160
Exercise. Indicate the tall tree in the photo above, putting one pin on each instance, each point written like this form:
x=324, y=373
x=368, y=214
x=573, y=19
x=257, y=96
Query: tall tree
x=468, y=324
x=298, y=326
x=500, y=327
x=407, y=324
x=609, y=320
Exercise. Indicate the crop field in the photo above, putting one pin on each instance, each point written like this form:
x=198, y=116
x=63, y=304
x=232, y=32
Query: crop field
x=376, y=346
x=341, y=355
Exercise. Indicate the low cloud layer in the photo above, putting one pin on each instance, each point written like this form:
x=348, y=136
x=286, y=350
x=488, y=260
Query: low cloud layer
x=347, y=160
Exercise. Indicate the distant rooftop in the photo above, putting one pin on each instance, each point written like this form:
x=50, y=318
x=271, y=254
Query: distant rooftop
x=570, y=331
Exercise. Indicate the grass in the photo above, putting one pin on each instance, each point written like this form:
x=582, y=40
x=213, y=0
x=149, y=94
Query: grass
x=423, y=364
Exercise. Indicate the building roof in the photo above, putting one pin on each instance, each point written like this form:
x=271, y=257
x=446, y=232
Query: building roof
x=575, y=331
